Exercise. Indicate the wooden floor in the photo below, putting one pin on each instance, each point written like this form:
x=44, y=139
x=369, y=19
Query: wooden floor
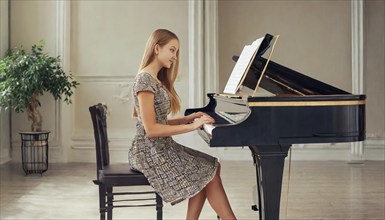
x=318, y=190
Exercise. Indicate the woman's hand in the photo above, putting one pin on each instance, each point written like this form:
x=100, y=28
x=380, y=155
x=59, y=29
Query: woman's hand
x=195, y=115
x=204, y=119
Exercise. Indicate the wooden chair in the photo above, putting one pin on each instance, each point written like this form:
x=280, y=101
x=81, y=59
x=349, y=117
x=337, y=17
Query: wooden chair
x=117, y=175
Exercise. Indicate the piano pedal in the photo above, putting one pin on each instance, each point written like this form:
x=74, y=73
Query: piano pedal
x=254, y=208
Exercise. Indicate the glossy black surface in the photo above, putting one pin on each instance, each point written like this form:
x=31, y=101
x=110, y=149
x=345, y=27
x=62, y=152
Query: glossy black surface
x=300, y=110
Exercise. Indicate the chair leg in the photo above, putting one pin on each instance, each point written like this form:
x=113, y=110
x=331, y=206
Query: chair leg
x=110, y=204
x=159, y=207
x=102, y=201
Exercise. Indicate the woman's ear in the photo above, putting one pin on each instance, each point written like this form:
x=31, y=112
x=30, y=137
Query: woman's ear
x=156, y=49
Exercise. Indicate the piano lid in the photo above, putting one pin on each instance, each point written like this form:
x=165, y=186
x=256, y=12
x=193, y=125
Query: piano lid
x=281, y=80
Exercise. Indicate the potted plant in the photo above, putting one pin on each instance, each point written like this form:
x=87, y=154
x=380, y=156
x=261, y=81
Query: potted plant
x=24, y=76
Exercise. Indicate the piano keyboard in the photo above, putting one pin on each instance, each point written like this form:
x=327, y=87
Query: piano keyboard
x=222, y=118
x=227, y=117
x=208, y=128
x=233, y=117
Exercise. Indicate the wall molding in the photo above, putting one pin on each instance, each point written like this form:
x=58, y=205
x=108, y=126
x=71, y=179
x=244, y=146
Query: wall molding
x=5, y=148
x=203, y=50
x=88, y=143
x=60, y=50
x=196, y=53
x=5, y=144
x=357, y=17
x=105, y=79
x=211, y=47
x=63, y=49
x=374, y=150
x=82, y=149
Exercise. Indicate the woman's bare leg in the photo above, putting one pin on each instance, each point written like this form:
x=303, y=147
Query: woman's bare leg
x=217, y=198
x=195, y=205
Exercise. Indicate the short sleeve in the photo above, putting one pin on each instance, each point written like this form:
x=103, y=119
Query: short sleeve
x=144, y=82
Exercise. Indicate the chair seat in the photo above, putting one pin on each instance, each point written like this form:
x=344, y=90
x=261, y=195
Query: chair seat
x=114, y=174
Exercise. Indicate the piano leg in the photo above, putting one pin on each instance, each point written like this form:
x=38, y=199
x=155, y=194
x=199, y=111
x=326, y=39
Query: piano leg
x=269, y=164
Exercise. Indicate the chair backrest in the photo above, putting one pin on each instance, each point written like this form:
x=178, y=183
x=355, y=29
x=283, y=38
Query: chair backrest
x=99, y=121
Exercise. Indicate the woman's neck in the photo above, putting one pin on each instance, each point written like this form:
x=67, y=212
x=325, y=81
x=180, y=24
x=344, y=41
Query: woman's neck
x=153, y=69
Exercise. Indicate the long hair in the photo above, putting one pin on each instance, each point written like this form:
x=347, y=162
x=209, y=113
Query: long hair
x=166, y=76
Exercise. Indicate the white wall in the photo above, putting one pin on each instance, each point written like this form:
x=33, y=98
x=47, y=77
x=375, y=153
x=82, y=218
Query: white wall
x=375, y=67
x=315, y=36
x=107, y=44
x=316, y=41
x=32, y=21
x=4, y=136
x=4, y=115
x=102, y=43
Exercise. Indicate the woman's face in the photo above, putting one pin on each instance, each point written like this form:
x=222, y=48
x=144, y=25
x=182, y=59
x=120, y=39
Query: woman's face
x=166, y=55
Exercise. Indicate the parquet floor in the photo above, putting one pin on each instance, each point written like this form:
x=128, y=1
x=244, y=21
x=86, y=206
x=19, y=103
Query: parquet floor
x=318, y=190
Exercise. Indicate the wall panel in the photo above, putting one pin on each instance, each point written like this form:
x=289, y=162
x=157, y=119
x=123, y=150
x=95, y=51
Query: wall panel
x=107, y=44
x=315, y=36
x=5, y=147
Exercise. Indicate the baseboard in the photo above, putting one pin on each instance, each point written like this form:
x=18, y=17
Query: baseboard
x=4, y=158
x=82, y=149
x=374, y=150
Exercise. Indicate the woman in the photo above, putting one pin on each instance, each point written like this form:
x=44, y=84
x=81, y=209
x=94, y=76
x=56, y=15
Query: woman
x=174, y=171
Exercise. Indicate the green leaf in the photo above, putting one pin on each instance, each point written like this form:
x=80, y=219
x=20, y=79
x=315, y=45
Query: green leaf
x=23, y=74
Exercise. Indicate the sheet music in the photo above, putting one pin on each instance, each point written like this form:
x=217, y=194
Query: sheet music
x=241, y=66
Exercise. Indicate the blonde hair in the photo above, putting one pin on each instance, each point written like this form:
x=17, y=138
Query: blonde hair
x=166, y=76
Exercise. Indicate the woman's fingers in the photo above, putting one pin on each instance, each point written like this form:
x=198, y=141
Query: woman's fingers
x=207, y=119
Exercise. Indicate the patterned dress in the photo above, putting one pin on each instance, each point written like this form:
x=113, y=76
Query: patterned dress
x=175, y=172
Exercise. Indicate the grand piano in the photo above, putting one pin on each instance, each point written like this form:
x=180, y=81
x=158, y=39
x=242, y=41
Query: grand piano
x=299, y=110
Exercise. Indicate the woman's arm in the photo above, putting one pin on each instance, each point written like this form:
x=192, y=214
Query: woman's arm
x=153, y=129
x=186, y=119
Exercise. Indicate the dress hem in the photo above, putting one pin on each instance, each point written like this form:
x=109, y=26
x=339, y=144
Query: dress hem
x=201, y=188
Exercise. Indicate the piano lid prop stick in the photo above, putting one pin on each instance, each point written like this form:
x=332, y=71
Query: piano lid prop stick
x=267, y=63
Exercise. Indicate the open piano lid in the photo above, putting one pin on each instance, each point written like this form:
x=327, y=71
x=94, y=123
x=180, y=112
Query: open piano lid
x=281, y=80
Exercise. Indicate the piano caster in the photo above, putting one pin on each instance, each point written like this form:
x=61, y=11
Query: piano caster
x=254, y=208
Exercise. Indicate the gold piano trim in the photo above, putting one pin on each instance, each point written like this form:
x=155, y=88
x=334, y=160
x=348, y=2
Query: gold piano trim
x=307, y=103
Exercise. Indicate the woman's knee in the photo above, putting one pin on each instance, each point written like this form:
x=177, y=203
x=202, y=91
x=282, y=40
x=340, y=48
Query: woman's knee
x=218, y=172
x=219, y=169
x=217, y=178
